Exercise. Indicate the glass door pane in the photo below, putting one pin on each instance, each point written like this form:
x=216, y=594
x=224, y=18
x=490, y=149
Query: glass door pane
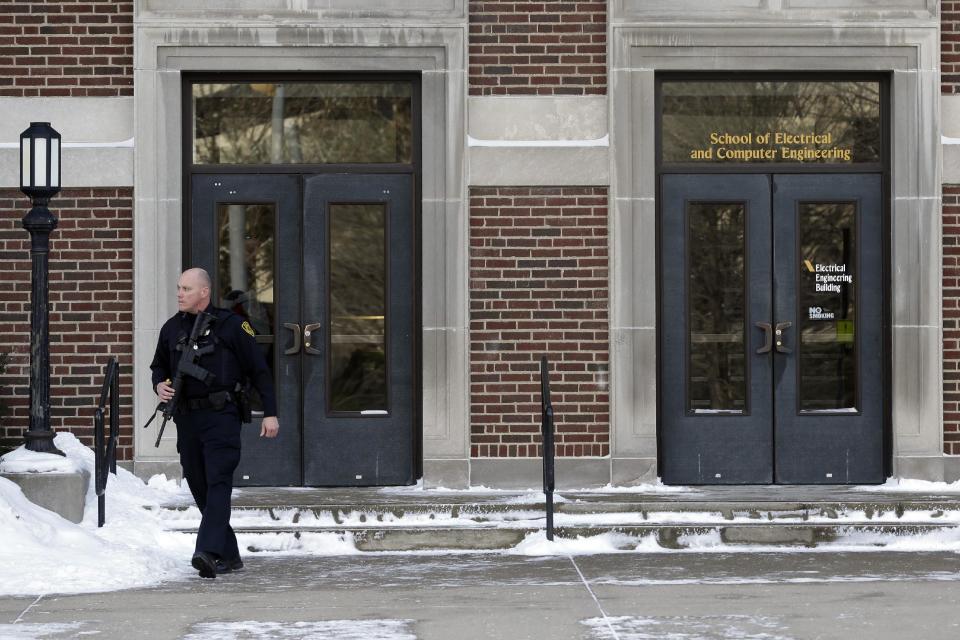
x=245, y=271
x=716, y=307
x=358, y=364
x=828, y=304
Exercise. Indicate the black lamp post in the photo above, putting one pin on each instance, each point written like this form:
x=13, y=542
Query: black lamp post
x=40, y=181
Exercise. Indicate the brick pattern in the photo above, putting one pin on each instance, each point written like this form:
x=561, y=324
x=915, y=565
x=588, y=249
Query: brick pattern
x=950, y=47
x=91, y=318
x=66, y=48
x=950, y=83
x=538, y=286
x=546, y=47
x=951, y=320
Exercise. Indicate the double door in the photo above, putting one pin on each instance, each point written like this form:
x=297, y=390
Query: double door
x=772, y=344
x=323, y=268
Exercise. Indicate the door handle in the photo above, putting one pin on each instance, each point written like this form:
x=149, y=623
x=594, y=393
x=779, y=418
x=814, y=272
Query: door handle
x=767, y=337
x=779, y=331
x=296, y=338
x=308, y=338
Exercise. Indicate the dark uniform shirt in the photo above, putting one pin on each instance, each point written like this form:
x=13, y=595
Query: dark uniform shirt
x=236, y=357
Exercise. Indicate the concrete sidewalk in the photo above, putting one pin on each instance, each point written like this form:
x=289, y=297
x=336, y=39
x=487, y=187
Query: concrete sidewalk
x=624, y=596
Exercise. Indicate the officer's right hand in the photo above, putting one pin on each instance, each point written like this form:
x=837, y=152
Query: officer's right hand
x=164, y=390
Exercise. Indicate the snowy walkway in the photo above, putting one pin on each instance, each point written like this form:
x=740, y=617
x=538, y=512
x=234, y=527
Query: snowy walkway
x=682, y=596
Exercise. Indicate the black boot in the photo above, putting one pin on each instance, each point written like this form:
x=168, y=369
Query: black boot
x=205, y=563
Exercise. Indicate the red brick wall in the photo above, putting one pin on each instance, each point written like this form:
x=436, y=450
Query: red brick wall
x=951, y=320
x=66, y=48
x=538, y=286
x=91, y=318
x=950, y=83
x=950, y=47
x=545, y=47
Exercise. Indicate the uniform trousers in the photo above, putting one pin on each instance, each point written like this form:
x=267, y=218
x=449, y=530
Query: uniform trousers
x=209, y=445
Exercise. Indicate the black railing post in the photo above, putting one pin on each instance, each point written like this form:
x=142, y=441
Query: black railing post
x=546, y=429
x=105, y=450
x=114, y=417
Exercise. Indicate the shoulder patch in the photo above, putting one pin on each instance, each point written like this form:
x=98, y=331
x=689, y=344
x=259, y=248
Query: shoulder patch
x=246, y=327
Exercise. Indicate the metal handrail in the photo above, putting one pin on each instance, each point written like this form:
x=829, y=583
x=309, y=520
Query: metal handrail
x=105, y=449
x=546, y=430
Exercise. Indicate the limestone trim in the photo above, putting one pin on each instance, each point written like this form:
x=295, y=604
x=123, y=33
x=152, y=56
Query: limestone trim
x=909, y=51
x=166, y=50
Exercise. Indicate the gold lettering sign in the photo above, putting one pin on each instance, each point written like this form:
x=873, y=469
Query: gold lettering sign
x=771, y=146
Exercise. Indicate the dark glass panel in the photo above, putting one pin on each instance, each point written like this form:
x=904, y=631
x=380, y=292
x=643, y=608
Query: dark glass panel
x=827, y=358
x=358, y=366
x=256, y=402
x=245, y=273
x=771, y=121
x=716, y=303
x=300, y=122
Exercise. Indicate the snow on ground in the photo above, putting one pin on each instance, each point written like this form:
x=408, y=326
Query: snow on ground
x=39, y=630
x=142, y=543
x=900, y=485
x=687, y=627
x=321, y=630
x=536, y=544
x=44, y=553
x=648, y=488
x=22, y=461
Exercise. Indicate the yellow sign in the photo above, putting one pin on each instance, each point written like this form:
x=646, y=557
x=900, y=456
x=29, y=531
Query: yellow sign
x=845, y=331
x=771, y=146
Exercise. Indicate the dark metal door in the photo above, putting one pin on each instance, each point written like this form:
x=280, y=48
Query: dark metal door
x=829, y=285
x=358, y=334
x=245, y=231
x=772, y=329
x=716, y=369
x=324, y=269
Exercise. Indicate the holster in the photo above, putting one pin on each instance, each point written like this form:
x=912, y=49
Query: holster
x=243, y=404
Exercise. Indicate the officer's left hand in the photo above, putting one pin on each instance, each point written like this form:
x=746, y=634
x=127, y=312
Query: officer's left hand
x=269, y=427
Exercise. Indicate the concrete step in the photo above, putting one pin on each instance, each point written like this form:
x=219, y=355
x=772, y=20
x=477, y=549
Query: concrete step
x=379, y=520
x=620, y=512
x=497, y=537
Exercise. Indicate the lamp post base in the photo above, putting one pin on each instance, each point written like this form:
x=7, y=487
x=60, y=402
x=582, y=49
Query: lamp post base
x=41, y=442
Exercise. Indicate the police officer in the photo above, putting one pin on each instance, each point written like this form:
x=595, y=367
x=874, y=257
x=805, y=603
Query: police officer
x=208, y=418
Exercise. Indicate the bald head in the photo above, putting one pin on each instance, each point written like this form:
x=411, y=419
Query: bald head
x=193, y=290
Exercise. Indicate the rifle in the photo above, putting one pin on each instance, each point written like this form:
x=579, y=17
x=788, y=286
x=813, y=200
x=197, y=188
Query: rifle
x=186, y=367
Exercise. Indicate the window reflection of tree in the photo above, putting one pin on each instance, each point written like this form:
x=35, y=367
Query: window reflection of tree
x=357, y=307
x=827, y=363
x=245, y=274
x=850, y=111
x=716, y=306
x=246, y=282
x=249, y=123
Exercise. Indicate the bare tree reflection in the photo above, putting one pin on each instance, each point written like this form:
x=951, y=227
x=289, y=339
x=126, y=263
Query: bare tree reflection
x=849, y=111
x=299, y=122
x=716, y=298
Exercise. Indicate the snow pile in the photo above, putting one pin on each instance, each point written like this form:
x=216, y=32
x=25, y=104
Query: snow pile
x=693, y=626
x=648, y=488
x=23, y=461
x=905, y=485
x=536, y=544
x=340, y=629
x=44, y=553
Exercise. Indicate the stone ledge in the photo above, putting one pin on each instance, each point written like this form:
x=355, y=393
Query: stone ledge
x=62, y=493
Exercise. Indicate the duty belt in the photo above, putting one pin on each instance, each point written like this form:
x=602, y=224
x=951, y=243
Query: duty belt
x=216, y=400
